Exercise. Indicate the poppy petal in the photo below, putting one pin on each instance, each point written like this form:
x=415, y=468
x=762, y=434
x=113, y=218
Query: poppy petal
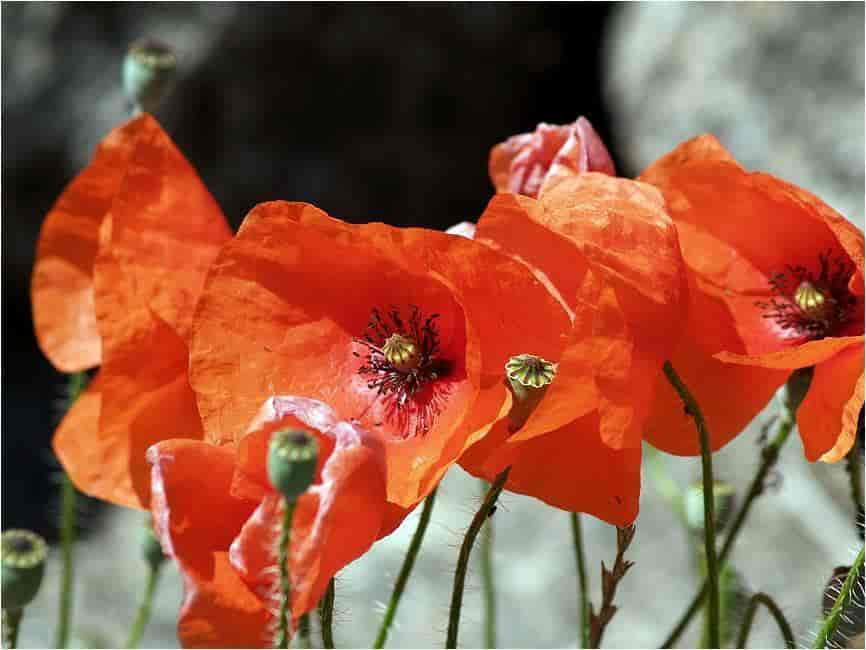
x=62, y=283
x=827, y=418
x=810, y=353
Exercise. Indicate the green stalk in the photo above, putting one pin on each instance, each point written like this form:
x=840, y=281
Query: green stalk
x=773, y=608
x=68, y=514
x=284, y=622
x=828, y=627
x=405, y=571
x=304, y=631
x=709, y=515
x=582, y=589
x=465, y=550
x=326, y=616
x=488, y=589
x=11, y=625
x=143, y=615
x=770, y=456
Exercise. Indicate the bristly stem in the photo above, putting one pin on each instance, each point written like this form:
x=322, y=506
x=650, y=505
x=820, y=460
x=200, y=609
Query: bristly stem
x=582, y=589
x=11, y=625
x=488, y=588
x=694, y=411
x=465, y=550
x=326, y=616
x=610, y=579
x=770, y=456
x=143, y=615
x=405, y=571
x=773, y=608
x=304, y=631
x=284, y=622
x=68, y=514
x=828, y=627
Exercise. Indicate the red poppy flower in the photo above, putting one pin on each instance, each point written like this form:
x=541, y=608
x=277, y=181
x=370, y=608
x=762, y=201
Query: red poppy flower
x=230, y=562
x=119, y=265
x=776, y=283
x=399, y=330
x=524, y=163
x=607, y=248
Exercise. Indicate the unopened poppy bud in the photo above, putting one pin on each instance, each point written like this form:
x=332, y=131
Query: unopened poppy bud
x=23, y=563
x=724, y=498
x=148, y=74
x=797, y=387
x=401, y=352
x=151, y=550
x=292, y=457
x=528, y=378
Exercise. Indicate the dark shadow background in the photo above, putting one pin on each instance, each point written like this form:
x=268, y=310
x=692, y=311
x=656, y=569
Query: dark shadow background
x=372, y=112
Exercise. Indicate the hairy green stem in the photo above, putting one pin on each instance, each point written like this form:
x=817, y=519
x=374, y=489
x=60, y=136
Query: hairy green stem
x=582, y=588
x=770, y=456
x=709, y=515
x=284, y=622
x=773, y=608
x=405, y=571
x=304, y=631
x=68, y=514
x=326, y=616
x=828, y=627
x=143, y=615
x=465, y=550
x=488, y=589
x=11, y=625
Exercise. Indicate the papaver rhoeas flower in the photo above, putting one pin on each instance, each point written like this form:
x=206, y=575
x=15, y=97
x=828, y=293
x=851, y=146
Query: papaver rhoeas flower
x=608, y=249
x=524, y=163
x=219, y=517
x=403, y=331
x=776, y=284
x=120, y=262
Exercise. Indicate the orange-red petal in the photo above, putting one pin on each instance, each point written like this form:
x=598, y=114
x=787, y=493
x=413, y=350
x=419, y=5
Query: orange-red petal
x=827, y=418
x=294, y=289
x=62, y=283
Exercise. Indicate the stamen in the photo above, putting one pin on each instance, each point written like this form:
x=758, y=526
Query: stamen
x=808, y=306
x=403, y=365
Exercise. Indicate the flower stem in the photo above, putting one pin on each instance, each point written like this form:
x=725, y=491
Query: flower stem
x=781, y=621
x=143, y=615
x=488, y=589
x=326, y=616
x=68, y=514
x=854, y=462
x=828, y=627
x=582, y=598
x=709, y=516
x=284, y=622
x=465, y=550
x=770, y=456
x=405, y=571
x=11, y=624
x=304, y=631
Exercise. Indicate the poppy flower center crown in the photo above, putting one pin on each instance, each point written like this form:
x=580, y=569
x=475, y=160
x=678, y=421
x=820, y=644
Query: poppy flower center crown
x=812, y=306
x=403, y=358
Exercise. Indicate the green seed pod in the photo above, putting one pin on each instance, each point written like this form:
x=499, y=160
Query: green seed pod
x=148, y=74
x=724, y=499
x=23, y=562
x=528, y=377
x=292, y=457
x=151, y=550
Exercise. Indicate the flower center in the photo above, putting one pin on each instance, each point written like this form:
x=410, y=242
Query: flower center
x=402, y=360
x=808, y=305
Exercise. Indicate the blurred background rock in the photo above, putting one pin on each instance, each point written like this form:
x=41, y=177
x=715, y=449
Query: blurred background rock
x=388, y=113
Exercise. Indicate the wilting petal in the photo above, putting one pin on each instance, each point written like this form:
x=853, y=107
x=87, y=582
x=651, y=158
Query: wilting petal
x=827, y=418
x=808, y=354
x=62, y=284
x=291, y=294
